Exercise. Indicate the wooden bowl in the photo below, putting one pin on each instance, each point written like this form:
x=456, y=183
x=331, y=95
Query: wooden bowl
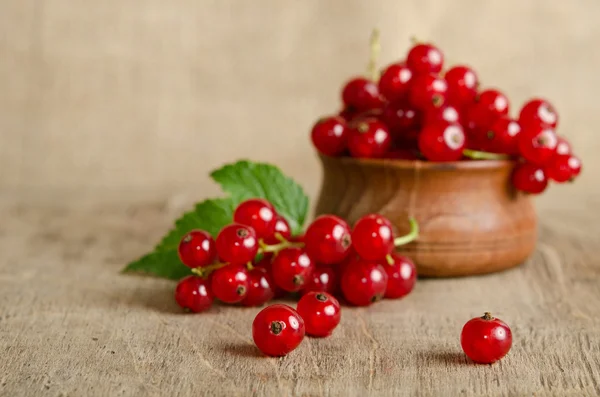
x=471, y=219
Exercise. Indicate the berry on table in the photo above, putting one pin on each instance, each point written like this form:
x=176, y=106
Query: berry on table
x=328, y=239
x=361, y=94
x=538, y=111
x=321, y=313
x=230, y=283
x=260, y=287
x=369, y=138
x=329, y=136
x=428, y=91
x=282, y=228
x=486, y=339
x=197, y=249
x=237, y=244
x=291, y=269
x=462, y=85
x=400, y=118
x=277, y=330
x=425, y=58
x=563, y=168
x=502, y=136
x=323, y=279
x=257, y=213
x=372, y=237
x=529, y=178
x=442, y=141
x=193, y=293
x=364, y=282
x=537, y=143
x=402, y=276
x=395, y=81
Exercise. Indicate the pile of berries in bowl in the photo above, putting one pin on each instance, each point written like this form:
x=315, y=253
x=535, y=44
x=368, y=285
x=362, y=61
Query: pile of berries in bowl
x=416, y=109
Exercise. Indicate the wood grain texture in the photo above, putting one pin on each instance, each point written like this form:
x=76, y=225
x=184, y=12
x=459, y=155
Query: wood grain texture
x=71, y=325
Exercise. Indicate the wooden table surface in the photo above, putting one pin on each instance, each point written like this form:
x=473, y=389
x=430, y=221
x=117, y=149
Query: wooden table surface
x=71, y=325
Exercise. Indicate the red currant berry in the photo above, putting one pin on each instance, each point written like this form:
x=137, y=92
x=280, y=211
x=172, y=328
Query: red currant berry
x=328, y=239
x=260, y=287
x=292, y=269
x=283, y=228
x=257, y=213
x=462, y=85
x=400, y=118
x=562, y=146
x=538, y=111
x=395, y=81
x=425, y=58
x=329, y=136
x=402, y=276
x=537, y=144
x=428, y=91
x=563, y=168
x=489, y=105
x=502, y=136
x=321, y=313
x=230, y=283
x=193, y=293
x=369, y=139
x=361, y=94
x=323, y=279
x=442, y=141
x=277, y=330
x=364, y=282
x=372, y=237
x=447, y=113
x=197, y=249
x=237, y=244
x=529, y=178
x=486, y=339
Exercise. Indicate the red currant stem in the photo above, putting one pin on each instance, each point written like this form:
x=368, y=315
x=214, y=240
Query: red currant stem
x=411, y=236
x=389, y=259
x=487, y=316
x=375, y=47
x=249, y=266
x=277, y=247
x=479, y=155
x=279, y=237
x=206, y=270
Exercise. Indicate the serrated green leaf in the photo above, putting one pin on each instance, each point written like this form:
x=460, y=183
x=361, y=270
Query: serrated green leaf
x=209, y=215
x=245, y=179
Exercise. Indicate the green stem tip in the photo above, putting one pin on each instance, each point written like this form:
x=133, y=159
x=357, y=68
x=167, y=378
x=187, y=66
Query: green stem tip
x=479, y=155
x=412, y=235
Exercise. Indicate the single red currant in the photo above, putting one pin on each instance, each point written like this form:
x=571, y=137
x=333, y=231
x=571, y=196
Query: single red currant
x=538, y=111
x=369, y=139
x=260, y=287
x=321, y=313
x=562, y=146
x=257, y=213
x=237, y=244
x=197, y=249
x=563, y=168
x=282, y=227
x=537, y=144
x=323, y=279
x=425, y=58
x=462, y=85
x=361, y=94
x=277, y=330
x=328, y=239
x=329, y=136
x=489, y=105
x=364, y=282
x=292, y=269
x=402, y=276
x=486, y=339
x=502, y=136
x=529, y=178
x=428, y=91
x=230, y=283
x=442, y=141
x=395, y=81
x=400, y=118
x=372, y=237
x=447, y=113
x=193, y=293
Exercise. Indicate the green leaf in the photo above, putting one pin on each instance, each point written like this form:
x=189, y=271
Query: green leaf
x=209, y=215
x=245, y=179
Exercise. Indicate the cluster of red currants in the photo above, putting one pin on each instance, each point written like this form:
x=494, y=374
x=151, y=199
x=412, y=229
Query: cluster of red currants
x=255, y=259
x=416, y=110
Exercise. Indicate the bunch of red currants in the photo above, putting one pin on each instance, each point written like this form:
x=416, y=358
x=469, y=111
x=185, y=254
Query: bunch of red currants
x=417, y=110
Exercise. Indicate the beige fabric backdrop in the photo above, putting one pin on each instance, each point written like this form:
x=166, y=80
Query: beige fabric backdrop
x=130, y=98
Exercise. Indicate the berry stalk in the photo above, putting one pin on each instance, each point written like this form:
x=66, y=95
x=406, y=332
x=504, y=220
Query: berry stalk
x=410, y=236
x=264, y=248
x=479, y=155
x=206, y=270
x=375, y=47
